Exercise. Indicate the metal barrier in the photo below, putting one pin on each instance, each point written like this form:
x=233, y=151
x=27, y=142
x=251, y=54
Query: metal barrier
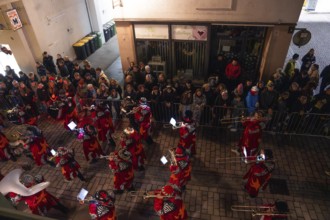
x=217, y=116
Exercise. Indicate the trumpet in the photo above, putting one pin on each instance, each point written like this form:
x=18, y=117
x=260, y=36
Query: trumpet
x=240, y=159
x=91, y=199
x=280, y=208
x=147, y=195
x=106, y=157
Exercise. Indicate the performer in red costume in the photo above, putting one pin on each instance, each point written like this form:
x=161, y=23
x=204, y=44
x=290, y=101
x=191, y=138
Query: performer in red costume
x=168, y=204
x=143, y=118
x=38, y=146
x=102, y=206
x=91, y=145
x=121, y=165
x=180, y=169
x=105, y=127
x=130, y=140
x=249, y=142
x=41, y=202
x=188, y=134
x=278, y=210
x=5, y=152
x=259, y=173
x=70, y=167
x=70, y=112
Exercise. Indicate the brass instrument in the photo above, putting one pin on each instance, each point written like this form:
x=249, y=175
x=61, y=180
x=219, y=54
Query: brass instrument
x=280, y=208
x=172, y=156
x=239, y=160
x=147, y=195
x=105, y=157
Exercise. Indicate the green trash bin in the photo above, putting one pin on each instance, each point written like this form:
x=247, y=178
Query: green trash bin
x=98, y=39
x=79, y=49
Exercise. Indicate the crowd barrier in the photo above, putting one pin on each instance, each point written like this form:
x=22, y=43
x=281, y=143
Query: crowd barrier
x=215, y=116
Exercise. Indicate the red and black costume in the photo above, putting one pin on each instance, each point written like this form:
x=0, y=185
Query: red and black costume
x=102, y=207
x=180, y=169
x=278, y=210
x=121, y=165
x=259, y=174
x=41, y=202
x=91, y=145
x=251, y=137
x=143, y=118
x=38, y=146
x=105, y=126
x=188, y=135
x=69, y=112
x=131, y=141
x=169, y=204
x=70, y=167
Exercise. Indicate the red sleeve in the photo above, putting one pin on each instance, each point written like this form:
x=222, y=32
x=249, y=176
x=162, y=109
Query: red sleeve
x=158, y=204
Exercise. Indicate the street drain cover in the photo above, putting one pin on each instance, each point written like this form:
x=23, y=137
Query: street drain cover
x=278, y=186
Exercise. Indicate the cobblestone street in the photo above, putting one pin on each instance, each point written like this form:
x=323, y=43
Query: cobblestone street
x=215, y=186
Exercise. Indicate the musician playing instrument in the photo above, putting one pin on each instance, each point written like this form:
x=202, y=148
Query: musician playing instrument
x=168, y=204
x=102, y=206
x=91, y=145
x=259, y=173
x=64, y=158
x=188, y=134
x=41, y=202
x=143, y=116
x=251, y=136
x=105, y=127
x=278, y=210
x=131, y=141
x=120, y=163
x=180, y=169
x=38, y=146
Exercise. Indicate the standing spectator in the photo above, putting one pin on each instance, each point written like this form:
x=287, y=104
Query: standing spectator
x=199, y=101
x=142, y=92
x=43, y=97
x=77, y=69
x=268, y=98
x=114, y=99
x=138, y=77
x=89, y=69
x=313, y=73
x=279, y=84
x=290, y=66
x=155, y=105
x=59, y=60
x=76, y=79
x=251, y=99
x=325, y=75
x=186, y=102
x=210, y=97
x=220, y=67
x=115, y=85
x=81, y=94
x=237, y=110
x=168, y=105
x=220, y=108
x=41, y=70
x=307, y=60
x=99, y=75
x=161, y=82
x=233, y=72
x=153, y=74
x=90, y=80
x=149, y=82
x=69, y=65
x=23, y=78
x=103, y=91
x=142, y=66
x=302, y=79
x=48, y=62
x=63, y=69
x=129, y=91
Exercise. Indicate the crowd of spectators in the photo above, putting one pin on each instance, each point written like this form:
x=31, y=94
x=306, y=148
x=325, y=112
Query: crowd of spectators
x=227, y=94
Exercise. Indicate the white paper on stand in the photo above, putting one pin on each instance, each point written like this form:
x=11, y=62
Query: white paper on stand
x=53, y=152
x=173, y=122
x=163, y=160
x=82, y=194
x=72, y=125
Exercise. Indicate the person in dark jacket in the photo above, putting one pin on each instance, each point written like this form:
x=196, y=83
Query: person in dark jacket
x=48, y=62
x=168, y=105
x=307, y=60
x=268, y=98
x=41, y=70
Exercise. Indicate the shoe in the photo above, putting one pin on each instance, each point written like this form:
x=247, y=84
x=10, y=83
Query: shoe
x=235, y=151
x=327, y=173
x=233, y=129
x=118, y=191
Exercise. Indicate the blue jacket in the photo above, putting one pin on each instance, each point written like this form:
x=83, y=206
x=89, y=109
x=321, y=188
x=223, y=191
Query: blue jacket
x=251, y=101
